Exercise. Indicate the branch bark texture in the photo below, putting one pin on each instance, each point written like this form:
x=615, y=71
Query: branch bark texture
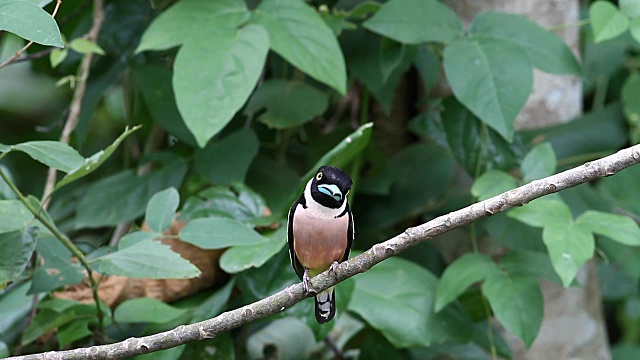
x=273, y=304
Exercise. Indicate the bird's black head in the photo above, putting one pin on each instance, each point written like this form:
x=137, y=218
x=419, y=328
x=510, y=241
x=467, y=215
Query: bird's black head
x=330, y=186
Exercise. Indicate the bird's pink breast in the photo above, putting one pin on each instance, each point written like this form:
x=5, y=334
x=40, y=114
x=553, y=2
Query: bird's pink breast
x=318, y=242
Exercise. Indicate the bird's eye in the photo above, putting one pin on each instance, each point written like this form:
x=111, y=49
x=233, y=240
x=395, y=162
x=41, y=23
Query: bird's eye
x=319, y=176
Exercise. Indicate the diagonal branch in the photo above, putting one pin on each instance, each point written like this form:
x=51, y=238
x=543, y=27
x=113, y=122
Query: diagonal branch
x=273, y=304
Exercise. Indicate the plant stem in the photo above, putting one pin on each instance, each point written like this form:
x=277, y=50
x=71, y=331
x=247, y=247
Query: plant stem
x=37, y=213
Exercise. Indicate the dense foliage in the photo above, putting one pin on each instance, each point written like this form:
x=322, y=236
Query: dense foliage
x=215, y=113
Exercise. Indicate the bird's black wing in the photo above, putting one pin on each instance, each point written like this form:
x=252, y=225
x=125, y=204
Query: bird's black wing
x=350, y=235
x=297, y=266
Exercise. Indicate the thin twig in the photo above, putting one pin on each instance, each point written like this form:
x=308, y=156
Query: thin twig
x=275, y=303
x=78, y=95
x=19, y=53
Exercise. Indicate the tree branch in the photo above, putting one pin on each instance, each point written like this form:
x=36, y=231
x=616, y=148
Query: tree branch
x=273, y=304
x=78, y=95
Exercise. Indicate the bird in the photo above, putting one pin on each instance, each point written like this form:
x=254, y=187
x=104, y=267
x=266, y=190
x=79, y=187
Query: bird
x=320, y=232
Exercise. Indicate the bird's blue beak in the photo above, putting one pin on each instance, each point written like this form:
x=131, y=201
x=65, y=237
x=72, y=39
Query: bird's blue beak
x=331, y=190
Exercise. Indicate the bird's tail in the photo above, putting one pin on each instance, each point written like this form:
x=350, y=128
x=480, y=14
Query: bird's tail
x=325, y=305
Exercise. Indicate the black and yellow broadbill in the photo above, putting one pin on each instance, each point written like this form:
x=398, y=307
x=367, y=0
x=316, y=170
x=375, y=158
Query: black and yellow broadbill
x=320, y=232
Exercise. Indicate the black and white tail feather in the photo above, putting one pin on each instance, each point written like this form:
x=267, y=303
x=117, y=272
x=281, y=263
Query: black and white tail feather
x=325, y=305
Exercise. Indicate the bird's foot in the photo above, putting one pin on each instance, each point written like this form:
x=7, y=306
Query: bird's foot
x=333, y=269
x=306, y=283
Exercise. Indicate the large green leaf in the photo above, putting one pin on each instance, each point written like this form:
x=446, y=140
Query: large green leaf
x=289, y=337
x=477, y=147
x=629, y=94
x=397, y=295
x=237, y=202
x=463, y=272
x=415, y=21
x=218, y=232
x=546, y=50
x=607, y=22
x=147, y=259
x=180, y=22
x=299, y=35
x=517, y=303
x=529, y=263
x=14, y=215
x=44, y=322
x=240, y=258
x=58, y=269
x=209, y=93
x=146, y=310
x=492, y=183
x=123, y=197
x=154, y=82
x=362, y=50
x=90, y=164
x=54, y=154
x=17, y=247
x=29, y=21
x=543, y=212
x=214, y=304
x=161, y=209
x=540, y=162
x=228, y=160
x=492, y=77
x=570, y=246
x=616, y=227
x=623, y=189
x=287, y=103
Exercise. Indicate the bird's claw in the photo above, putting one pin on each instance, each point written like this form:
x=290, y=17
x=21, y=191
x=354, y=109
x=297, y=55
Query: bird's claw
x=306, y=282
x=333, y=269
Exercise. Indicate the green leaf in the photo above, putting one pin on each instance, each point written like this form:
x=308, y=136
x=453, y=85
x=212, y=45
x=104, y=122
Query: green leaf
x=123, y=197
x=477, y=147
x=15, y=305
x=90, y=164
x=543, y=212
x=427, y=62
x=517, y=303
x=391, y=55
x=493, y=78
x=540, y=162
x=51, y=153
x=218, y=232
x=463, y=272
x=154, y=82
x=616, y=227
x=300, y=36
x=606, y=21
x=236, y=202
x=529, y=263
x=492, y=183
x=622, y=189
x=4, y=350
x=84, y=46
x=147, y=259
x=214, y=304
x=629, y=95
x=342, y=153
x=362, y=50
x=635, y=29
x=146, y=310
x=397, y=295
x=631, y=8
x=570, y=246
x=177, y=24
x=240, y=258
x=57, y=56
x=228, y=160
x=161, y=209
x=415, y=21
x=547, y=51
x=209, y=93
x=288, y=103
x=73, y=331
x=14, y=215
x=30, y=22
x=44, y=322
x=17, y=248
x=289, y=337
x=58, y=269
x=135, y=237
